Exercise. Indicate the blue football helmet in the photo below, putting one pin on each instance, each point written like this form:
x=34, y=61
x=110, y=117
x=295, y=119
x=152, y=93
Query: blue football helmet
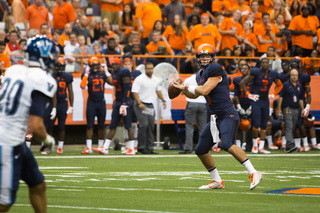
x=41, y=51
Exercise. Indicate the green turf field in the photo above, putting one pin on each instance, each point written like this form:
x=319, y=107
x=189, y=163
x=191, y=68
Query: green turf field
x=169, y=182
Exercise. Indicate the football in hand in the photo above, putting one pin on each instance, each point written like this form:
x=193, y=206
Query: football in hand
x=173, y=92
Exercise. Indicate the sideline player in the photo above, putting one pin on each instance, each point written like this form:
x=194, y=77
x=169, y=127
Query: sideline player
x=224, y=119
x=95, y=79
x=122, y=106
x=60, y=101
x=259, y=94
x=25, y=94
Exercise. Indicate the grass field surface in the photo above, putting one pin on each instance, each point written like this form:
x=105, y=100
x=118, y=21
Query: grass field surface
x=169, y=182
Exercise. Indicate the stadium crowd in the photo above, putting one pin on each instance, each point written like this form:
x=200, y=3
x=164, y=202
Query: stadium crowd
x=286, y=32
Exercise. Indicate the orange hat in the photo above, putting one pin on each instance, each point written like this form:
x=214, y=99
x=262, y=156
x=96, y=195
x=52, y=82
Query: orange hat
x=114, y=60
x=204, y=14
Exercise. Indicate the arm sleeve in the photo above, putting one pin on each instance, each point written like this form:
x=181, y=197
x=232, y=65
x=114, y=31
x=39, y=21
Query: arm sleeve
x=39, y=103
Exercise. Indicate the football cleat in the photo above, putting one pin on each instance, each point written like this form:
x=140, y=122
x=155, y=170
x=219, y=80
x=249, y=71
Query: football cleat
x=255, y=179
x=263, y=151
x=86, y=151
x=216, y=149
x=304, y=149
x=213, y=185
x=98, y=150
x=254, y=150
x=136, y=149
x=130, y=152
x=315, y=147
x=59, y=151
x=125, y=151
x=244, y=146
x=273, y=147
x=44, y=152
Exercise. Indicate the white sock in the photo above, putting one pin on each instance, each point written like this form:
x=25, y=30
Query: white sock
x=297, y=142
x=238, y=143
x=254, y=142
x=269, y=139
x=89, y=143
x=247, y=163
x=127, y=144
x=305, y=142
x=215, y=174
x=100, y=143
x=261, y=144
x=131, y=145
x=284, y=141
x=60, y=144
x=28, y=143
x=313, y=141
x=135, y=143
x=106, y=144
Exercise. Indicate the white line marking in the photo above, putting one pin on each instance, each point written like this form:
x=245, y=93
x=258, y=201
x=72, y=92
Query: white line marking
x=52, y=168
x=97, y=208
x=174, y=156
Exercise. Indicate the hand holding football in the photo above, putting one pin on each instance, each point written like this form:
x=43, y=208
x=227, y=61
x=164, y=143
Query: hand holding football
x=173, y=92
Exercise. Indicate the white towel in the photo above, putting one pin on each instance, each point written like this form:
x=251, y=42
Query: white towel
x=214, y=129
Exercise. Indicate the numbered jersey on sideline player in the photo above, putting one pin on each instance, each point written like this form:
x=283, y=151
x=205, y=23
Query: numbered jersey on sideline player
x=15, y=100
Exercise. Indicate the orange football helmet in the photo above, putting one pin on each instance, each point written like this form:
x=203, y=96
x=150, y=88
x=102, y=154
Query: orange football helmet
x=60, y=65
x=205, y=49
x=94, y=64
x=245, y=124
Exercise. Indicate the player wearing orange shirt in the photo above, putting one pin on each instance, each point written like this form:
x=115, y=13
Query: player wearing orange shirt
x=147, y=14
x=63, y=13
x=230, y=31
x=265, y=33
x=36, y=15
x=204, y=33
x=110, y=10
x=221, y=7
x=303, y=29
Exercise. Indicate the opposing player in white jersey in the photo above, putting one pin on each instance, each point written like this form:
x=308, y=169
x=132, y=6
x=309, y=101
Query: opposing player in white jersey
x=24, y=95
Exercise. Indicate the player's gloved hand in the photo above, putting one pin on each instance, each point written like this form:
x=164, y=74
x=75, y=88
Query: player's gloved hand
x=87, y=71
x=70, y=110
x=49, y=141
x=240, y=110
x=123, y=110
x=271, y=96
x=53, y=113
x=306, y=110
x=249, y=111
x=253, y=97
x=105, y=69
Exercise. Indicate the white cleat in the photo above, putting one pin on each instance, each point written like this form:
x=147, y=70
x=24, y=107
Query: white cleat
x=213, y=185
x=130, y=152
x=263, y=151
x=254, y=150
x=315, y=147
x=273, y=147
x=255, y=179
x=125, y=151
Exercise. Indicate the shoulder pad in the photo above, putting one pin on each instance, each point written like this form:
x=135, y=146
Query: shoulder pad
x=42, y=81
x=214, y=70
x=124, y=72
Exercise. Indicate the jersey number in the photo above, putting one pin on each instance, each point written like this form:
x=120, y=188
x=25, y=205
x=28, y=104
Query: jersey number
x=96, y=85
x=265, y=84
x=12, y=96
x=62, y=85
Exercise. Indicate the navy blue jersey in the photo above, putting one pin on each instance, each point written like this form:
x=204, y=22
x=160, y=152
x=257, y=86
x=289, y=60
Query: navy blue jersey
x=243, y=98
x=284, y=77
x=63, y=81
x=262, y=83
x=303, y=79
x=291, y=95
x=96, y=82
x=121, y=93
x=218, y=99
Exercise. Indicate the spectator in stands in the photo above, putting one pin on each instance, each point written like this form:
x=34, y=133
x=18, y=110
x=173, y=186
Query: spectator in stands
x=265, y=5
x=136, y=50
x=96, y=52
x=36, y=15
x=50, y=6
x=111, y=50
x=303, y=29
x=110, y=10
x=280, y=7
x=103, y=38
x=4, y=11
x=55, y=38
x=82, y=50
x=196, y=9
x=192, y=21
x=274, y=60
x=265, y=33
x=94, y=32
x=248, y=39
x=283, y=35
x=81, y=29
x=231, y=30
x=173, y=8
x=4, y=58
x=204, y=33
x=221, y=7
x=248, y=52
x=147, y=12
x=44, y=30
x=227, y=63
x=79, y=14
x=127, y=22
x=17, y=56
x=312, y=66
x=245, y=9
x=119, y=47
x=13, y=43
x=153, y=46
x=18, y=10
x=76, y=6
x=65, y=36
x=187, y=64
x=158, y=27
x=69, y=49
x=295, y=8
x=106, y=27
x=254, y=6
x=10, y=25
x=63, y=14
x=237, y=53
x=160, y=51
x=2, y=35
x=219, y=20
x=134, y=39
